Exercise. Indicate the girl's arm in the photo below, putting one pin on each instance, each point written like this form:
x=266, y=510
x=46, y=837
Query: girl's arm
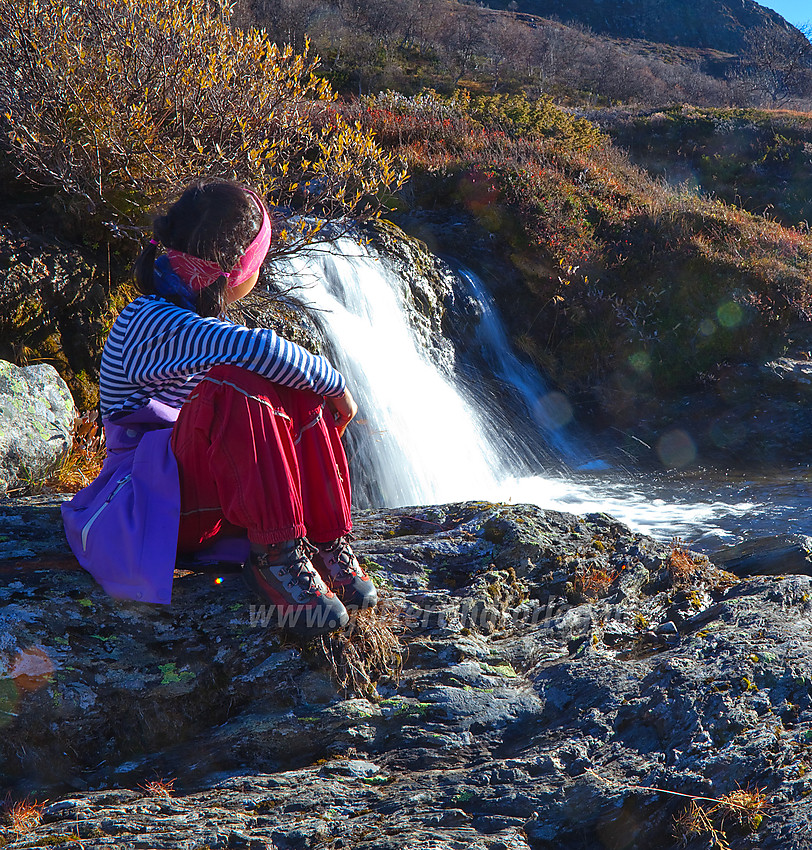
x=163, y=343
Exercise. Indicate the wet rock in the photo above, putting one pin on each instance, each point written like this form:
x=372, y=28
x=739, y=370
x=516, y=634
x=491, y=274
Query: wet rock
x=558, y=677
x=439, y=310
x=787, y=554
x=36, y=422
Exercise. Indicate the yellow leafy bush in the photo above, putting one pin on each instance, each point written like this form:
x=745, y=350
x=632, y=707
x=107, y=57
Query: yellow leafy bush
x=120, y=103
x=538, y=119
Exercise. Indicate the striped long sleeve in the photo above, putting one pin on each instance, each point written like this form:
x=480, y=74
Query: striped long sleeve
x=156, y=350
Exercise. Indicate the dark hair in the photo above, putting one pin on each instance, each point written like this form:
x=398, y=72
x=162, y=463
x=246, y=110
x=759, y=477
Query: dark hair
x=214, y=220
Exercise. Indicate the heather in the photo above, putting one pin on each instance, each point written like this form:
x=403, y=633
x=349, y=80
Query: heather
x=624, y=281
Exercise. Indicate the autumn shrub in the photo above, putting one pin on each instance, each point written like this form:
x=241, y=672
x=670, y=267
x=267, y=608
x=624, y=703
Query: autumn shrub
x=537, y=118
x=487, y=130
x=119, y=103
x=397, y=119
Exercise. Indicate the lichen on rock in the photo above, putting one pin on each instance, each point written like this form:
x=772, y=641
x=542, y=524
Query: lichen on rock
x=556, y=671
x=36, y=421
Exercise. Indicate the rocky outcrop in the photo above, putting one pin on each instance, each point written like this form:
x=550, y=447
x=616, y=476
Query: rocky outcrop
x=532, y=680
x=54, y=305
x=36, y=423
x=439, y=310
x=780, y=555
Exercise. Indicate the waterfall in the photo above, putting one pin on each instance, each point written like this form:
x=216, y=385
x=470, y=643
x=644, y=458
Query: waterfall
x=416, y=439
x=544, y=410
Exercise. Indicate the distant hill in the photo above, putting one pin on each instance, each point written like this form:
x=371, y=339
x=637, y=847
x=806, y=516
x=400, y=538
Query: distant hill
x=710, y=53
x=708, y=24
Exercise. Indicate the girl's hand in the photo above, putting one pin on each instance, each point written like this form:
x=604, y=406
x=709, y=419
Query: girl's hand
x=343, y=409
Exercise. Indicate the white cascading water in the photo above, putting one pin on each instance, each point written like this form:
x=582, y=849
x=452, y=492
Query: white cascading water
x=417, y=440
x=549, y=410
x=421, y=443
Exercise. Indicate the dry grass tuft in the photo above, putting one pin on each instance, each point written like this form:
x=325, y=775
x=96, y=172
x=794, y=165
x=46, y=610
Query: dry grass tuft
x=162, y=788
x=85, y=459
x=23, y=817
x=695, y=820
x=592, y=581
x=366, y=650
x=682, y=565
x=707, y=816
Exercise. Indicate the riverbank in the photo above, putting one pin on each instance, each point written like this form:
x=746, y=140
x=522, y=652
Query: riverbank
x=530, y=681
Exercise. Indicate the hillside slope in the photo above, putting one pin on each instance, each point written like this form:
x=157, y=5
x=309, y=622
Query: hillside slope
x=758, y=160
x=716, y=24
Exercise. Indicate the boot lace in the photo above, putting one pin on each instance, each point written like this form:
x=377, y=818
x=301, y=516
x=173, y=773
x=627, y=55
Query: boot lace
x=339, y=557
x=295, y=562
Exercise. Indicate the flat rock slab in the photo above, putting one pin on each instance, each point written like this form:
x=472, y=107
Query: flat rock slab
x=558, y=676
x=786, y=554
x=31, y=535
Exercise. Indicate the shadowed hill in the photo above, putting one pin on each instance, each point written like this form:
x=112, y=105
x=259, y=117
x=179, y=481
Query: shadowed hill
x=716, y=24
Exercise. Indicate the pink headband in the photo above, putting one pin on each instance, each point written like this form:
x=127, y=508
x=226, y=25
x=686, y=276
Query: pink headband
x=198, y=274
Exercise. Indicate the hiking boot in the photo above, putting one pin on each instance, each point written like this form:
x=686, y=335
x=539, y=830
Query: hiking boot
x=338, y=566
x=283, y=575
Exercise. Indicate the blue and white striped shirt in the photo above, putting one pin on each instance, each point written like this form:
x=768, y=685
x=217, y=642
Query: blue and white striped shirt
x=160, y=351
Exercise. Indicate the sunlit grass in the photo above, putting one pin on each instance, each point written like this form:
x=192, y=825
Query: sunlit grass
x=85, y=458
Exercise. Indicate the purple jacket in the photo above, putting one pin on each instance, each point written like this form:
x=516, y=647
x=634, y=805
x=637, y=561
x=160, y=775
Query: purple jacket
x=123, y=527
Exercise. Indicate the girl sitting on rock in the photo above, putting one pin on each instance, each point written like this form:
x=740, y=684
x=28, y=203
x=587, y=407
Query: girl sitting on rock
x=217, y=432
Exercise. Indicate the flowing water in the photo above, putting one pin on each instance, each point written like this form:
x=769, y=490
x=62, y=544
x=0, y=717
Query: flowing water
x=416, y=440
x=424, y=437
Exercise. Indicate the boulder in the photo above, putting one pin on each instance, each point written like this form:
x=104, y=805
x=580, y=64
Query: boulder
x=36, y=423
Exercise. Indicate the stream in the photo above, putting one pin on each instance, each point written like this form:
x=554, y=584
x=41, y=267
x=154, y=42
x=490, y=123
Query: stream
x=706, y=508
x=424, y=436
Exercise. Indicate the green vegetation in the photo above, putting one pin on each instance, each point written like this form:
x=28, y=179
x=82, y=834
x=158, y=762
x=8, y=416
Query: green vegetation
x=170, y=674
x=621, y=285
x=755, y=159
x=505, y=670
